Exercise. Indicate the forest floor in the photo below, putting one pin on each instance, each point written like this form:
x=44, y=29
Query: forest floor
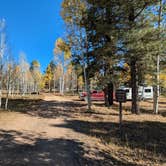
x=58, y=131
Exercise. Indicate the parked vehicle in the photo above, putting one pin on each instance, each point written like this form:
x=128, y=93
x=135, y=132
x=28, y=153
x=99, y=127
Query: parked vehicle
x=143, y=92
x=95, y=95
x=146, y=92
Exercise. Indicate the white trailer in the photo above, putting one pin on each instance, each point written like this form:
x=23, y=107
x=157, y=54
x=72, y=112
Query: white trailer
x=143, y=92
x=146, y=92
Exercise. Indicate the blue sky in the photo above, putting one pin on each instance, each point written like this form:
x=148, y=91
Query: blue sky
x=32, y=27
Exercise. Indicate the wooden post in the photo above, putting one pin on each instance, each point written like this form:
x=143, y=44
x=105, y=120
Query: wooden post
x=120, y=97
x=120, y=118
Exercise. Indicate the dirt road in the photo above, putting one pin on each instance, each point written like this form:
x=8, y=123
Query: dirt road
x=41, y=137
x=57, y=131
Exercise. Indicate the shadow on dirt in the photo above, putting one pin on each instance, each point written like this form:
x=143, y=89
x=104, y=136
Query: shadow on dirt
x=163, y=114
x=54, y=109
x=47, y=152
x=143, y=135
x=46, y=109
x=150, y=112
x=160, y=102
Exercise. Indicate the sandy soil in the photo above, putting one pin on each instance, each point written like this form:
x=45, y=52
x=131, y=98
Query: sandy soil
x=57, y=131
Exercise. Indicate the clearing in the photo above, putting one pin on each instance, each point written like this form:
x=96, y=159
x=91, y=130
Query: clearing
x=58, y=130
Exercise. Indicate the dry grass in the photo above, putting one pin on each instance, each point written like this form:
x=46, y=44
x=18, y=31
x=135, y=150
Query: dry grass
x=144, y=135
x=143, y=140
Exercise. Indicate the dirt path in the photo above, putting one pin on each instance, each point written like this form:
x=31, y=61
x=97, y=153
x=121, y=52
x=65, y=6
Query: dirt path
x=57, y=131
x=41, y=137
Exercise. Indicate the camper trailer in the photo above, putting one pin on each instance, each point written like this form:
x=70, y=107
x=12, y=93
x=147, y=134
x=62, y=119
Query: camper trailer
x=147, y=92
x=143, y=92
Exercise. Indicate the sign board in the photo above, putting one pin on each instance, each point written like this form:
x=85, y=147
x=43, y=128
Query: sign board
x=120, y=95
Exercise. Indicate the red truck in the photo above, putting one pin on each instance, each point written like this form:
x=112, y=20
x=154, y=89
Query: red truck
x=95, y=95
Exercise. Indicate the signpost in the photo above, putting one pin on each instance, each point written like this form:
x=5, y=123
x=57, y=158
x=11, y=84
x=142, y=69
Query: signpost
x=121, y=98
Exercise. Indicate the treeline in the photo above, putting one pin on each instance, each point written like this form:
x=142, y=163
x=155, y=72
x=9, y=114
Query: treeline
x=62, y=79
x=106, y=36
x=16, y=77
x=24, y=78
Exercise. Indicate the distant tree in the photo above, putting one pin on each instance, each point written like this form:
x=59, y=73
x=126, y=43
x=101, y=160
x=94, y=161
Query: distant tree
x=2, y=53
x=9, y=80
x=79, y=76
x=35, y=72
x=124, y=75
x=73, y=13
x=71, y=78
x=48, y=76
x=53, y=69
x=16, y=78
x=62, y=55
x=114, y=32
x=160, y=15
x=163, y=78
x=25, y=77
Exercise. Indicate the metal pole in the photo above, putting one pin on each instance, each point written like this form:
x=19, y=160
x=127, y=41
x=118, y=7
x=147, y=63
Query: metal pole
x=120, y=118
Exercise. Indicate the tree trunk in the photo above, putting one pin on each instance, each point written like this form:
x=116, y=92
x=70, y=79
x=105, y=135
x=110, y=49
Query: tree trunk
x=110, y=93
x=157, y=78
x=133, y=67
x=7, y=99
x=1, y=85
x=106, y=96
x=73, y=81
x=49, y=84
x=134, y=87
x=156, y=88
x=7, y=94
x=54, y=82
x=87, y=89
x=63, y=84
x=86, y=76
x=89, y=95
x=0, y=90
x=77, y=88
x=0, y=99
x=60, y=85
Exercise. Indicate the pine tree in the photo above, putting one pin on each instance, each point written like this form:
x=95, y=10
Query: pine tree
x=116, y=32
x=48, y=77
x=35, y=71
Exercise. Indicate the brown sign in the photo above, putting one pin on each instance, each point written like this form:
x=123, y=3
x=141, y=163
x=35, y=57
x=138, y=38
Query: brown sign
x=120, y=95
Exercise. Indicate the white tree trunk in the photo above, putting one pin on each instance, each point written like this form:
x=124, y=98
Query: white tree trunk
x=63, y=79
x=7, y=91
x=87, y=88
x=63, y=84
x=60, y=85
x=54, y=82
x=157, y=86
